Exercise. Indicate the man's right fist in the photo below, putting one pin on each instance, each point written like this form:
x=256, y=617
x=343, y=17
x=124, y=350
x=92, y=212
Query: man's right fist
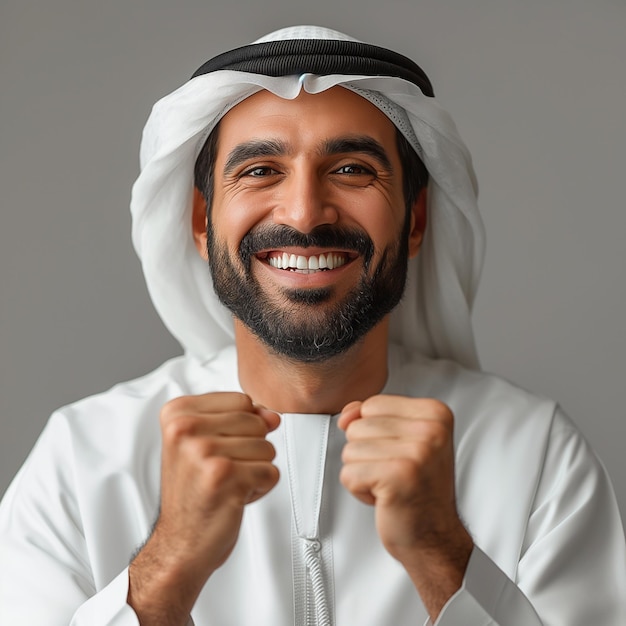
x=215, y=460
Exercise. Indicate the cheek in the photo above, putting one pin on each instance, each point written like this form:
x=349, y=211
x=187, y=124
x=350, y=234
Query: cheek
x=384, y=225
x=232, y=220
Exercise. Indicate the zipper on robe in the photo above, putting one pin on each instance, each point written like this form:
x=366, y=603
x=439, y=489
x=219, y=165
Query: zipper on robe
x=306, y=442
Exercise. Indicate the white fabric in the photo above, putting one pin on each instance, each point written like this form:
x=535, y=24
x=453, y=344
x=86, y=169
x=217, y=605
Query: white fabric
x=304, y=32
x=434, y=316
x=536, y=500
x=550, y=546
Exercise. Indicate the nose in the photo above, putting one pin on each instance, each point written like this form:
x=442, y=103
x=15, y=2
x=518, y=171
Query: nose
x=304, y=202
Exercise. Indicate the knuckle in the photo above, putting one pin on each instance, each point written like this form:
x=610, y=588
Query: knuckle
x=253, y=424
x=374, y=404
x=177, y=429
x=218, y=471
x=273, y=474
x=439, y=434
x=207, y=403
x=350, y=452
x=428, y=435
x=345, y=454
x=175, y=407
x=209, y=447
x=415, y=449
x=441, y=439
x=346, y=457
x=442, y=412
x=233, y=401
x=405, y=470
x=268, y=450
x=346, y=477
x=265, y=482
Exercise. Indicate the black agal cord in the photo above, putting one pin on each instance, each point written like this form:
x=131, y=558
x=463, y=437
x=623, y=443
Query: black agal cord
x=318, y=56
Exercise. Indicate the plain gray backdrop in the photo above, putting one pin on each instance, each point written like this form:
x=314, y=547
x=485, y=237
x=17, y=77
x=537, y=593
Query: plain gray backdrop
x=537, y=89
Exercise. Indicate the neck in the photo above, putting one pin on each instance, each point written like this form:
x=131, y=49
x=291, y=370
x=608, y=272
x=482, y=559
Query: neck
x=289, y=386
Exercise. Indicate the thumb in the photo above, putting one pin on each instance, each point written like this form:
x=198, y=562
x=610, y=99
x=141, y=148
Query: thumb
x=271, y=418
x=349, y=413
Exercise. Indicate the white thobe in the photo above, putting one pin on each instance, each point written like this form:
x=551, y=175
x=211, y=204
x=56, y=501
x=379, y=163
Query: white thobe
x=537, y=502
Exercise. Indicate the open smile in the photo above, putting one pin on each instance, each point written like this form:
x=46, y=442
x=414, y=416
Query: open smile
x=306, y=264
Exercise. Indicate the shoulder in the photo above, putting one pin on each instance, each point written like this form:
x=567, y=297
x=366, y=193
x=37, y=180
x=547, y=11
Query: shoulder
x=128, y=401
x=474, y=396
x=116, y=433
x=124, y=419
x=499, y=426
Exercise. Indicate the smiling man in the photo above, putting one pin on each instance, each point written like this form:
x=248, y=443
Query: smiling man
x=315, y=210
x=327, y=451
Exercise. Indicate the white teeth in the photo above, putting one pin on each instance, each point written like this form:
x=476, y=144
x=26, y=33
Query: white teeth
x=311, y=264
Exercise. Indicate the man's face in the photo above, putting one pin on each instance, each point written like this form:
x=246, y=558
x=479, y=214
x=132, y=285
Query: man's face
x=309, y=235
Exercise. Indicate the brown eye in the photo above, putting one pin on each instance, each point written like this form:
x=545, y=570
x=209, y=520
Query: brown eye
x=257, y=172
x=353, y=170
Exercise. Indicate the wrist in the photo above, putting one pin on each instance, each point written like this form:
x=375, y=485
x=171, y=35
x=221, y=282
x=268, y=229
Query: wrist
x=437, y=567
x=162, y=589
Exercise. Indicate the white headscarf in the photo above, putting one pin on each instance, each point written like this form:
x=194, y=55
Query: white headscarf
x=434, y=316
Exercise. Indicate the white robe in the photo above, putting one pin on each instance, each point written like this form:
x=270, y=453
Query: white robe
x=537, y=502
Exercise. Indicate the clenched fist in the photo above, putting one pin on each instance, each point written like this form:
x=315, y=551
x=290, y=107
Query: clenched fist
x=215, y=460
x=399, y=457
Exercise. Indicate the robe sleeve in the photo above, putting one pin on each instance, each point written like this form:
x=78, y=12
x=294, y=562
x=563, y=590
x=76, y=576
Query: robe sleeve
x=572, y=565
x=108, y=607
x=45, y=571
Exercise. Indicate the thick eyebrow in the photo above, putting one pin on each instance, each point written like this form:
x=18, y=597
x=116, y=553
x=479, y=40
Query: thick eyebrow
x=362, y=144
x=256, y=148
x=253, y=149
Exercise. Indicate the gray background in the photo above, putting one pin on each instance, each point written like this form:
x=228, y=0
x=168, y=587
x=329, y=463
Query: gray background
x=538, y=91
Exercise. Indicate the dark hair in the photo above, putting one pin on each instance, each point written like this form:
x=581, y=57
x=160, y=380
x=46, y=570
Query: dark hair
x=204, y=171
x=414, y=172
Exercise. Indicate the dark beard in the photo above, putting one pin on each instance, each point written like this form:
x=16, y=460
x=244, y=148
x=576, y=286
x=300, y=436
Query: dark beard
x=300, y=326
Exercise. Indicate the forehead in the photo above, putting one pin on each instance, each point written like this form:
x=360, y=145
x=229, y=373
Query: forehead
x=307, y=118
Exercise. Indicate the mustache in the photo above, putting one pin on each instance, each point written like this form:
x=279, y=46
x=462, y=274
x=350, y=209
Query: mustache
x=275, y=236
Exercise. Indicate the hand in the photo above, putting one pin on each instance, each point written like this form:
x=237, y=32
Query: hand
x=215, y=460
x=399, y=457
